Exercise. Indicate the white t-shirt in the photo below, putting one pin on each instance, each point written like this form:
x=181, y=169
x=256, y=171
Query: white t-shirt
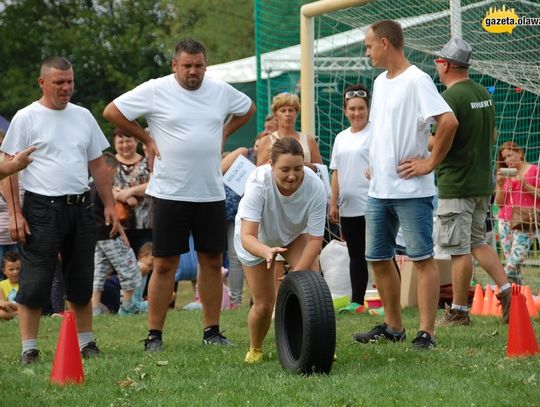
x=281, y=218
x=187, y=126
x=65, y=141
x=350, y=157
x=402, y=110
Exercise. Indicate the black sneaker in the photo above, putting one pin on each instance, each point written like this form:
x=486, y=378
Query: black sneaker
x=217, y=339
x=423, y=341
x=379, y=333
x=153, y=344
x=90, y=350
x=30, y=356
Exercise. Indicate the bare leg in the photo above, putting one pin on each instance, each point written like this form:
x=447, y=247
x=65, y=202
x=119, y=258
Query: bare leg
x=83, y=316
x=29, y=322
x=389, y=288
x=261, y=284
x=489, y=261
x=461, y=278
x=96, y=298
x=159, y=290
x=427, y=274
x=210, y=286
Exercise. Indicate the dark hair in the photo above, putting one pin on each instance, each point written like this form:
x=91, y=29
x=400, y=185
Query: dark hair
x=11, y=257
x=189, y=46
x=118, y=132
x=286, y=145
x=60, y=63
x=358, y=86
x=110, y=160
x=391, y=30
x=509, y=145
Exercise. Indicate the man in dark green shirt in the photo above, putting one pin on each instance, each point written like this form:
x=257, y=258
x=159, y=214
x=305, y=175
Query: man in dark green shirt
x=465, y=183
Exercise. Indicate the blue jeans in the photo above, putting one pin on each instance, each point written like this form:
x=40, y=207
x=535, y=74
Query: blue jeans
x=385, y=216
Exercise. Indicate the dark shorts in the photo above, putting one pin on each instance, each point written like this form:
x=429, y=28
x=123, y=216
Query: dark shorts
x=174, y=221
x=57, y=227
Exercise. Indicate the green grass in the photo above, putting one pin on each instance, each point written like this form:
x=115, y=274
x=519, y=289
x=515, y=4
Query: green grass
x=468, y=368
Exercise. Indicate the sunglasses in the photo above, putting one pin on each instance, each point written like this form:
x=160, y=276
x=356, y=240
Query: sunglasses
x=439, y=61
x=355, y=94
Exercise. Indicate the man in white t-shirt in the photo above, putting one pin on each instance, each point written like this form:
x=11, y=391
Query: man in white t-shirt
x=57, y=215
x=405, y=104
x=186, y=113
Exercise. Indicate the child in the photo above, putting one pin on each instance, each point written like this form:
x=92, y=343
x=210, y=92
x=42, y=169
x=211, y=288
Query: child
x=113, y=252
x=11, y=266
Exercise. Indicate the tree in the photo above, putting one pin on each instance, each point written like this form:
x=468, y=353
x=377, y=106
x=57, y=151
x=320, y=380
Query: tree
x=113, y=45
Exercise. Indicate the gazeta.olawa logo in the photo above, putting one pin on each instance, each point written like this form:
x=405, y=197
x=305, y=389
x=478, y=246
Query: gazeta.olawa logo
x=498, y=21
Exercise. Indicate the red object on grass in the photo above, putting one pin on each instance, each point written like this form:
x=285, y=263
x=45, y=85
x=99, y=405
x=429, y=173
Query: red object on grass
x=67, y=366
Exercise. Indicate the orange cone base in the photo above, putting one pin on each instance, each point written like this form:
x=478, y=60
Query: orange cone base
x=478, y=300
x=521, y=338
x=67, y=366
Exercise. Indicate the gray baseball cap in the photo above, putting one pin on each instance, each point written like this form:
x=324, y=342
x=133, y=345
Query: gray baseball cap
x=458, y=51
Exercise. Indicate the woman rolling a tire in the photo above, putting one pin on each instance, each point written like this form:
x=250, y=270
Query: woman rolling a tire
x=283, y=212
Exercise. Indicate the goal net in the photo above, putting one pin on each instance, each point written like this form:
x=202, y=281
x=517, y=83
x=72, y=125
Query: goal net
x=507, y=64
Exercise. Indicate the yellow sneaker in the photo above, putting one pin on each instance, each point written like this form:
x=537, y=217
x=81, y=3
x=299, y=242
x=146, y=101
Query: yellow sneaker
x=254, y=355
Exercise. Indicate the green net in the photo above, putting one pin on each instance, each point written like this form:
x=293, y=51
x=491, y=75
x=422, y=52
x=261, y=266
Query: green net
x=506, y=64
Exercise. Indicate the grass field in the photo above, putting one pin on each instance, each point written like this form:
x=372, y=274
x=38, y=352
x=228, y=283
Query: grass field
x=468, y=368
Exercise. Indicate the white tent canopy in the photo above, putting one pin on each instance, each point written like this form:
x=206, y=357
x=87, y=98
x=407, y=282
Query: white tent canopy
x=275, y=63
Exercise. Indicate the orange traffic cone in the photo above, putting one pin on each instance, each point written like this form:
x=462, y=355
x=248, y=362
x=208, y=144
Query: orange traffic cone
x=495, y=309
x=537, y=302
x=530, y=302
x=521, y=338
x=488, y=299
x=478, y=300
x=67, y=365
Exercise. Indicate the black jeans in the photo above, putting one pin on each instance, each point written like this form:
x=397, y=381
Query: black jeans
x=57, y=227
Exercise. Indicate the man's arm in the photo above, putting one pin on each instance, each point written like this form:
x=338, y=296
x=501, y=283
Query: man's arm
x=116, y=117
x=18, y=228
x=18, y=162
x=235, y=122
x=447, y=125
x=102, y=181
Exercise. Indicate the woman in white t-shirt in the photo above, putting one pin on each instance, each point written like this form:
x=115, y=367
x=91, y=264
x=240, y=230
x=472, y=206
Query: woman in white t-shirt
x=350, y=161
x=283, y=211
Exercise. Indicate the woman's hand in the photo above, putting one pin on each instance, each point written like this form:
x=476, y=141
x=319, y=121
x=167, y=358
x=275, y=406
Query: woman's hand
x=271, y=253
x=333, y=213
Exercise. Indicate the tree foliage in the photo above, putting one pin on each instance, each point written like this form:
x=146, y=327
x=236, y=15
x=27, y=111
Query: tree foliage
x=114, y=45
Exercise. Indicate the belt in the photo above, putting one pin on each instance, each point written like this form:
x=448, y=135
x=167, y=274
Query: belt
x=68, y=199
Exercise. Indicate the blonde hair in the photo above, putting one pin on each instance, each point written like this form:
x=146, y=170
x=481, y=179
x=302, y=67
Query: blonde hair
x=285, y=99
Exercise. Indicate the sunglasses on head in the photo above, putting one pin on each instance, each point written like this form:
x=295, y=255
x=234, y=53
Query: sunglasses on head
x=355, y=94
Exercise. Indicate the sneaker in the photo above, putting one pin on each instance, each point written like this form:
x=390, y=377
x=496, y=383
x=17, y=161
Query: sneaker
x=379, y=333
x=349, y=309
x=30, y=356
x=217, y=339
x=131, y=309
x=254, y=356
x=90, y=350
x=423, y=341
x=453, y=317
x=504, y=298
x=153, y=344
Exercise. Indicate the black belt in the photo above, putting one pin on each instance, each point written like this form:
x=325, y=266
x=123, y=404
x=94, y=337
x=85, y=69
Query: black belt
x=68, y=199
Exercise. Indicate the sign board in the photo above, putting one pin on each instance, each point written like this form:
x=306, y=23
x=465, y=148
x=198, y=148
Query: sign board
x=237, y=175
